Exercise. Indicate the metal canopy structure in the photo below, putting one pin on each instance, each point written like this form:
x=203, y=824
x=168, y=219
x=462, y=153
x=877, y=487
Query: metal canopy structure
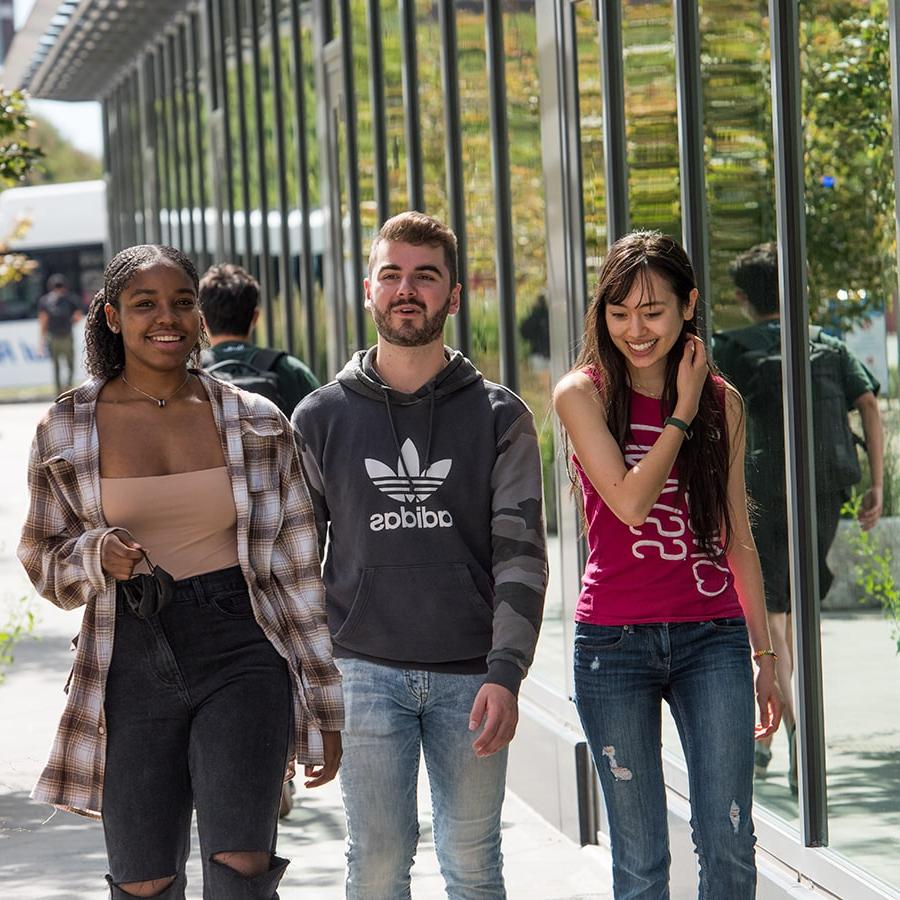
x=82, y=46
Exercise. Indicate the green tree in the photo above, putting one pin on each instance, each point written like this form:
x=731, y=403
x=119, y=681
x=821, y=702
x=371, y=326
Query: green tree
x=60, y=161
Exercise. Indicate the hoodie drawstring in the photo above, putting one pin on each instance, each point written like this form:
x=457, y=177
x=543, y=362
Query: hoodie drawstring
x=390, y=414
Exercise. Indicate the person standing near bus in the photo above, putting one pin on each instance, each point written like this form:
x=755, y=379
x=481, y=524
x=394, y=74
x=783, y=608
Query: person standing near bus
x=58, y=311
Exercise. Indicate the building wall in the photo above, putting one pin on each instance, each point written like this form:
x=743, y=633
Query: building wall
x=540, y=134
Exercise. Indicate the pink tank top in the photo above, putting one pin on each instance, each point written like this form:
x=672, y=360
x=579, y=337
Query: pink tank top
x=655, y=572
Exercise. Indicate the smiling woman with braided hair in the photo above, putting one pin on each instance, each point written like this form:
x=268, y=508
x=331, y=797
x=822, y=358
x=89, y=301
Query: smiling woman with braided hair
x=173, y=509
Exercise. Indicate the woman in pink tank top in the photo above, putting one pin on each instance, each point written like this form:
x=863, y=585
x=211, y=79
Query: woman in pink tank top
x=672, y=605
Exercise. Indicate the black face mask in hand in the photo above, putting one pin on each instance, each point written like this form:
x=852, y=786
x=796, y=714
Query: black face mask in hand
x=147, y=594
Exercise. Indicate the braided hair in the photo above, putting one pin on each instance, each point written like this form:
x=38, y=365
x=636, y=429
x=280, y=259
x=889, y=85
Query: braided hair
x=104, y=350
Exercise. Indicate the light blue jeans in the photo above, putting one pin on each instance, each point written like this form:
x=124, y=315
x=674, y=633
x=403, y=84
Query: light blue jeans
x=703, y=671
x=392, y=714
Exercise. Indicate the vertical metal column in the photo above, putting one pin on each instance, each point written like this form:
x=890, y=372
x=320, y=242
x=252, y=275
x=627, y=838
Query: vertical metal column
x=243, y=146
x=614, y=145
x=212, y=9
x=220, y=38
x=265, y=262
x=412, y=120
x=801, y=476
x=135, y=109
x=183, y=114
x=307, y=280
x=197, y=130
x=150, y=151
x=694, y=218
x=165, y=182
x=171, y=95
x=379, y=116
x=124, y=167
x=354, y=238
x=894, y=26
x=285, y=270
x=112, y=214
x=456, y=196
x=506, y=283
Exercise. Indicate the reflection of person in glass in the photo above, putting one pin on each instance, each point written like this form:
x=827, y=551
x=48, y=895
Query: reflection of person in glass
x=672, y=602
x=196, y=685
x=751, y=358
x=58, y=311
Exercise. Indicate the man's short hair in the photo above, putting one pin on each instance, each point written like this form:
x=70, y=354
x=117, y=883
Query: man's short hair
x=55, y=282
x=755, y=272
x=228, y=298
x=416, y=228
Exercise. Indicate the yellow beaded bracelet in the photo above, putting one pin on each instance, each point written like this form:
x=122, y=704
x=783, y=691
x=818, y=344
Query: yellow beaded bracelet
x=759, y=654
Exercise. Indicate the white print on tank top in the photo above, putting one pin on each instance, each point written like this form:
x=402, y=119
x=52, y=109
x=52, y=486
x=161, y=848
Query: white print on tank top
x=666, y=532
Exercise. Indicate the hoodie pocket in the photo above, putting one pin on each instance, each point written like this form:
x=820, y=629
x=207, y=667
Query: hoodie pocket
x=425, y=614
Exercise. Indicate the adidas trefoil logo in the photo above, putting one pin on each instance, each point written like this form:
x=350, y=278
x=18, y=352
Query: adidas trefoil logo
x=409, y=484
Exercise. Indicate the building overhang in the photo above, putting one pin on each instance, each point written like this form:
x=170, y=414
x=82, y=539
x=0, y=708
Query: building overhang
x=78, y=49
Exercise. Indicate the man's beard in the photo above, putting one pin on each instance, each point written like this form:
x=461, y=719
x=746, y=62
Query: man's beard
x=409, y=334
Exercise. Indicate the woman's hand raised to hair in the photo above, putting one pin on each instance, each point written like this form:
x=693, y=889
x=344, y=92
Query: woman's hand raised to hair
x=119, y=556
x=692, y=372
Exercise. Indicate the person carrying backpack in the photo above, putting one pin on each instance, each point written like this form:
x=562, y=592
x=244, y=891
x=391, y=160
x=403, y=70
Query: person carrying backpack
x=229, y=300
x=750, y=358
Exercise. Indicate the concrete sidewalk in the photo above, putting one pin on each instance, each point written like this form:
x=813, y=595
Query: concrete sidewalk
x=57, y=856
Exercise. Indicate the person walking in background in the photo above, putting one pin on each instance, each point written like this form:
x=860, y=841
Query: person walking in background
x=672, y=601
x=426, y=481
x=229, y=301
x=58, y=311
x=751, y=359
x=173, y=509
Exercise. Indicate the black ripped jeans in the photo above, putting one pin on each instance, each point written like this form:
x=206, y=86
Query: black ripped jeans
x=199, y=715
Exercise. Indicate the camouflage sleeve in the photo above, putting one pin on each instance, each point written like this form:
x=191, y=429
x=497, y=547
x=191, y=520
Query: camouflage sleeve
x=519, y=553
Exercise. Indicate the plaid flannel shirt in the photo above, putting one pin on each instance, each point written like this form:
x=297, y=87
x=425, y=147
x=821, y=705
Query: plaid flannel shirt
x=277, y=549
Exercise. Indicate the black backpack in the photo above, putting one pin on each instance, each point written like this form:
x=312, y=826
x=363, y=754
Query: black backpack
x=756, y=371
x=256, y=374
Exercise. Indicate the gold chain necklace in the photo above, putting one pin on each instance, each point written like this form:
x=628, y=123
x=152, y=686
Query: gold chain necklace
x=645, y=390
x=159, y=401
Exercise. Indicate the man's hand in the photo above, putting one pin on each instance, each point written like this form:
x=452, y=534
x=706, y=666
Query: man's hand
x=870, y=508
x=119, y=556
x=318, y=775
x=498, y=709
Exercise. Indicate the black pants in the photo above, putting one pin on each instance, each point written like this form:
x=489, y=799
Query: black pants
x=199, y=715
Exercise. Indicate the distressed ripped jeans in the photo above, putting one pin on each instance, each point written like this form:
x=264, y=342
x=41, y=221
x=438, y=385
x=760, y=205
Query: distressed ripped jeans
x=703, y=671
x=392, y=717
x=199, y=715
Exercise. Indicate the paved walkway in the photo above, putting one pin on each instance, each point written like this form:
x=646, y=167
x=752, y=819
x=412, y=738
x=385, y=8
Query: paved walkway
x=47, y=856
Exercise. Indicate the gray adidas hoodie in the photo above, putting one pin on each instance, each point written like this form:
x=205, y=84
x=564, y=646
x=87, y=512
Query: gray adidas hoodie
x=431, y=505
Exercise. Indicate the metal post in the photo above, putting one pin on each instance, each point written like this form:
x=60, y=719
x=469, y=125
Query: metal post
x=506, y=284
x=413, y=125
x=243, y=145
x=615, y=150
x=135, y=117
x=165, y=181
x=182, y=110
x=112, y=214
x=801, y=476
x=197, y=128
x=694, y=219
x=171, y=95
x=307, y=280
x=265, y=278
x=285, y=270
x=379, y=116
x=150, y=151
x=894, y=26
x=352, y=168
x=224, y=104
x=456, y=196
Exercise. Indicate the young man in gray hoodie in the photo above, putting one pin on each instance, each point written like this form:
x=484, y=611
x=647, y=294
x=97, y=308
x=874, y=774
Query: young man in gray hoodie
x=426, y=483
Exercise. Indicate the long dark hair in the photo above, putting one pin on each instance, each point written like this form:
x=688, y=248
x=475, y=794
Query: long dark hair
x=104, y=350
x=703, y=461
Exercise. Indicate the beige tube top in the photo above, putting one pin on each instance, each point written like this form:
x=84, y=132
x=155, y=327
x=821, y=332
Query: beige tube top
x=186, y=522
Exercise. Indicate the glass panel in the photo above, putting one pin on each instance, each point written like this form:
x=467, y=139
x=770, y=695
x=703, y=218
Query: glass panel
x=532, y=313
x=851, y=251
x=651, y=114
x=593, y=158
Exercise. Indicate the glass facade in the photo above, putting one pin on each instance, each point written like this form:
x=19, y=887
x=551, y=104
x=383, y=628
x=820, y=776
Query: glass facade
x=282, y=134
